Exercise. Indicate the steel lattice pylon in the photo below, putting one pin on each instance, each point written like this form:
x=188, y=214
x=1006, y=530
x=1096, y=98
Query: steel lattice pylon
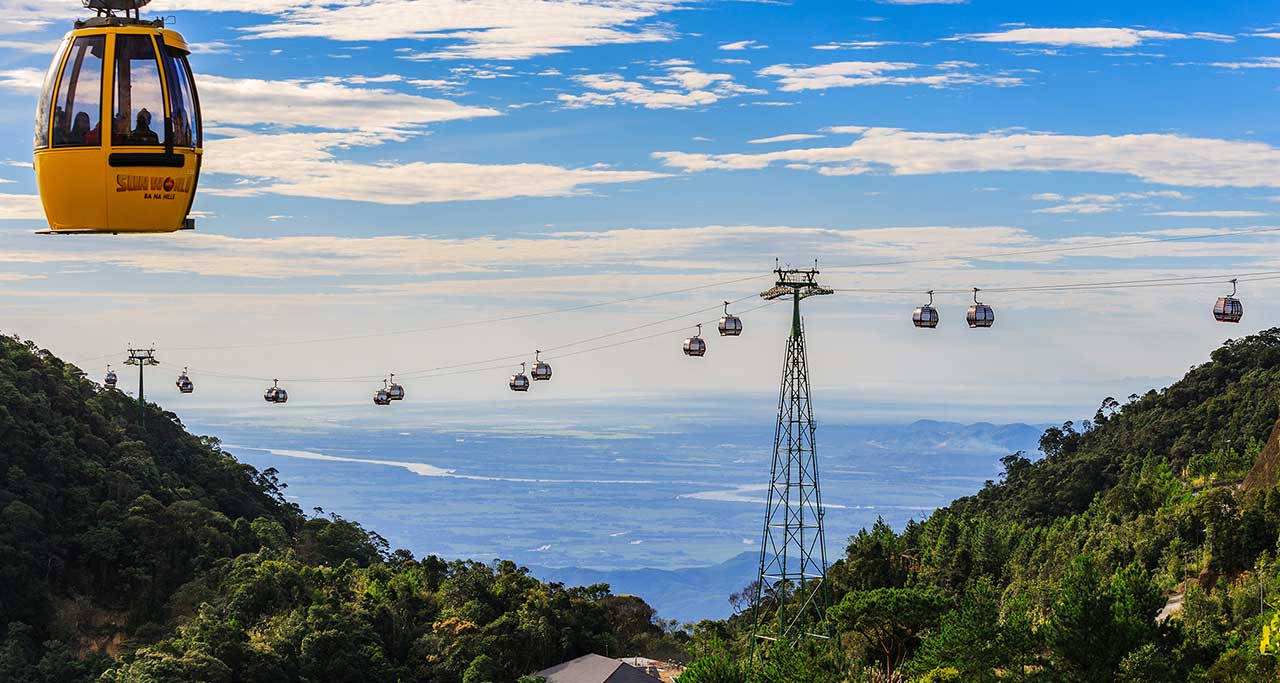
x=791, y=591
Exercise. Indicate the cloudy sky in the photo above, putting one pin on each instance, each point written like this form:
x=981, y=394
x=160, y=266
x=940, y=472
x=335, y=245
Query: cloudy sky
x=438, y=187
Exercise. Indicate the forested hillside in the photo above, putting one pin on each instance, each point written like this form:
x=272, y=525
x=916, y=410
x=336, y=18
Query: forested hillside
x=132, y=551
x=1059, y=571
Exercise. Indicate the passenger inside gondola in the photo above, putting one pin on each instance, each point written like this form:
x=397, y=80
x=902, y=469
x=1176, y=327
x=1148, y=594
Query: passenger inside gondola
x=79, y=130
x=142, y=133
x=138, y=92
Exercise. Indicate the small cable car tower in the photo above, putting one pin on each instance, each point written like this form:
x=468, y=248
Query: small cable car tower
x=791, y=592
x=141, y=358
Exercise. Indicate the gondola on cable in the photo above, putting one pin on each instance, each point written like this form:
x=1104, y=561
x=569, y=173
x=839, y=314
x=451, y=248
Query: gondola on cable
x=695, y=346
x=1228, y=309
x=541, y=369
x=980, y=314
x=275, y=393
x=730, y=325
x=184, y=383
x=519, y=381
x=382, y=397
x=926, y=316
x=395, y=392
x=110, y=380
x=118, y=134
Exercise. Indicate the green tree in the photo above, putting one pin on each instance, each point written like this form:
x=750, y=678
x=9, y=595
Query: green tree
x=889, y=621
x=718, y=666
x=1097, y=621
x=968, y=639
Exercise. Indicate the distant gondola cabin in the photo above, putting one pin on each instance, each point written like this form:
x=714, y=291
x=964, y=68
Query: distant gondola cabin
x=118, y=134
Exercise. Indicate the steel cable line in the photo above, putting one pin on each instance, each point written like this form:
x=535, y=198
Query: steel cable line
x=415, y=374
x=1068, y=286
x=436, y=371
x=652, y=324
x=467, y=367
x=570, y=309
x=652, y=336
x=466, y=323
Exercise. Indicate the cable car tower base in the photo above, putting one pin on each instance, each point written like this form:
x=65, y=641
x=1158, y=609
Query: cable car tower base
x=792, y=594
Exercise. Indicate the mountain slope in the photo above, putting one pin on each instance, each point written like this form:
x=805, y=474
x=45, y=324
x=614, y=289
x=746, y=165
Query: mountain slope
x=1058, y=571
x=134, y=550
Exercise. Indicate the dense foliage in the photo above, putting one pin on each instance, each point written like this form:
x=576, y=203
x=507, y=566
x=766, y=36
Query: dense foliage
x=132, y=551
x=1059, y=572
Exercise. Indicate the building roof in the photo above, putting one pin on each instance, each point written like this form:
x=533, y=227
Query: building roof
x=595, y=669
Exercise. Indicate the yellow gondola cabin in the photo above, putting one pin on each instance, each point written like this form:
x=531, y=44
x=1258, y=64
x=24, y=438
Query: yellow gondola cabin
x=118, y=138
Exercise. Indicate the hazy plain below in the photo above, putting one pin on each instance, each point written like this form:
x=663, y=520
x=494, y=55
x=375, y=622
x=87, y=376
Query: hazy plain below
x=669, y=511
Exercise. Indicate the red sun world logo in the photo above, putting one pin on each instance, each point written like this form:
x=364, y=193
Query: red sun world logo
x=168, y=184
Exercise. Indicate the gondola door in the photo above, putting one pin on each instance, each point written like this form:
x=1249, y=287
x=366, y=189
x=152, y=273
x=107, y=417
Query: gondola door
x=151, y=178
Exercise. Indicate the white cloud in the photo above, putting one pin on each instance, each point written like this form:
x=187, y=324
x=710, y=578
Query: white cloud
x=324, y=104
x=21, y=207
x=1079, y=207
x=26, y=81
x=851, y=74
x=213, y=47
x=30, y=16
x=1259, y=63
x=304, y=165
x=743, y=45
x=854, y=44
x=1162, y=158
x=1087, y=37
x=39, y=47
x=1100, y=203
x=645, y=259
x=1210, y=214
x=469, y=29
x=680, y=87
x=790, y=137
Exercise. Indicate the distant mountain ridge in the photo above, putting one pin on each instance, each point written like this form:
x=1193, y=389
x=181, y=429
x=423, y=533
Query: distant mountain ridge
x=686, y=595
x=937, y=436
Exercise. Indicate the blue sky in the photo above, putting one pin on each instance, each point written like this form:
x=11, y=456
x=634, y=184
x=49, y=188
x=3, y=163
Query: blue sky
x=390, y=165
